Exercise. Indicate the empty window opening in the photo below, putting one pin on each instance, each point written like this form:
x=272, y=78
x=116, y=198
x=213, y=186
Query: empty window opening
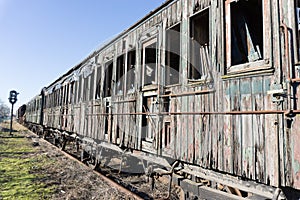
x=72, y=92
x=107, y=122
x=75, y=91
x=92, y=78
x=107, y=79
x=199, y=55
x=167, y=134
x=130, y=74
x=149, y=62
x=144, y=119
x=118, y=133
x=172, y=55
x=148, y=119
x=67, y=94
x=166, y=104
x=86, y=88
x=246, y=31
x=79, y=89
x=61, y=96
x=55, y=98
x=98, y=83
x=120, y=74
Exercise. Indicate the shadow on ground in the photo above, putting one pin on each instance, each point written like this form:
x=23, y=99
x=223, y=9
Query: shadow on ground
x=7, y=130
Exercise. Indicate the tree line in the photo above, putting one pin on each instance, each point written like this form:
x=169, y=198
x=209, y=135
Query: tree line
x=4, y=110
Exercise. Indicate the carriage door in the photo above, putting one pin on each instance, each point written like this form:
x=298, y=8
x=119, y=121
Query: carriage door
x=107, y=92
x=149, y=92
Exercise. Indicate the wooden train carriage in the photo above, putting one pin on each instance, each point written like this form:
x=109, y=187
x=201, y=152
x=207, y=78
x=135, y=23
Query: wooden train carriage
x=33, y=116
x=212, y=83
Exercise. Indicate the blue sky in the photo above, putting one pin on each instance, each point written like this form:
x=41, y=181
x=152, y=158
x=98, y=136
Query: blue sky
x=42, y=39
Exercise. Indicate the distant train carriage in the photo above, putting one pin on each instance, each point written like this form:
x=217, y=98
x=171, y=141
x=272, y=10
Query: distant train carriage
x=208, y=85
x=21, y=114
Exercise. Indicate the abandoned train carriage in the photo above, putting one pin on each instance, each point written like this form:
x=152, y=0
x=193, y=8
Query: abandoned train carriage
x=210, y=83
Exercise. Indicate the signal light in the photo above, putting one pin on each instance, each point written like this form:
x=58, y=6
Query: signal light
x=13, y=96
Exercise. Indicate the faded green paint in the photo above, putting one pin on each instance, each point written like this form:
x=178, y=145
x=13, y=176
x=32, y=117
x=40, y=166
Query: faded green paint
x=257, y=86
x=245, y=87
x=234, y=89
x=267, y=84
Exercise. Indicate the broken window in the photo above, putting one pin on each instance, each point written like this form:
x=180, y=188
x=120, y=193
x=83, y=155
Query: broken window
x=72, y=92
x=148, y=120
x=166, y=104
x=66, y=94
x=98, y=83
x=149, y=62
x=79, y=89
x=92, y=78
x=85, y=88
x=120, y=74
x=61, y=96
x=199, y=45
x=107, y=79
x=55, y=98
x=130, y=74
x=244, y=31
x=167, y=134
x=75, y=91
x=172, y=55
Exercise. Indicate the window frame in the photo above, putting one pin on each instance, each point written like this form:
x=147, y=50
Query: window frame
x=261, y=64
x=129, y=74
x=108, y=70
x=190, y=48
x=145, y=44
x=120, y=74
x=168, y=55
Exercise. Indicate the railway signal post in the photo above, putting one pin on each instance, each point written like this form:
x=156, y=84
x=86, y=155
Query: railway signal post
x=12, y=99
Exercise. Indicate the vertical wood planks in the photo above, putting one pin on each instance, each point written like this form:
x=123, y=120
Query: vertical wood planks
x=185, y=130
x=191, y=130
x=247, y=135
x=236, y=127
x=258, y=130
x=179, y=127
x=228, y=130
x=271, y=140
x=197, y=129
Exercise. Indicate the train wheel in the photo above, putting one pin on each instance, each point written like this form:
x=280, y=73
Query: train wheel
x=63, y=144
x=93, y=163
x=89, y=160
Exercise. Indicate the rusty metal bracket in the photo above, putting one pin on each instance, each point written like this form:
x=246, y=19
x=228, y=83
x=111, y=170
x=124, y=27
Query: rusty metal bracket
x=278, y=93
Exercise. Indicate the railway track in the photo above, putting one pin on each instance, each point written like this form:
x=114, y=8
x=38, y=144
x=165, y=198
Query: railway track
x=135, y=186
x=109, y=181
